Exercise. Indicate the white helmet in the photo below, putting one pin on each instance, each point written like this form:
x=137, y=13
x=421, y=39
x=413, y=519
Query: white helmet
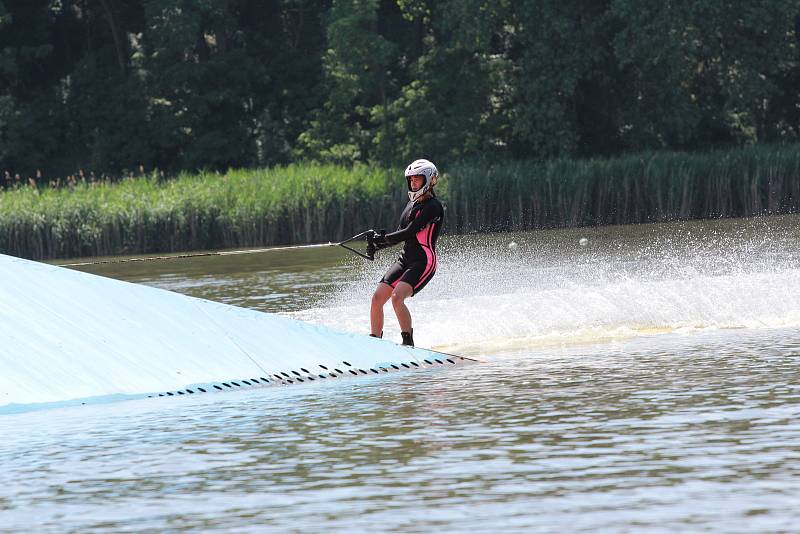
x=426, y=169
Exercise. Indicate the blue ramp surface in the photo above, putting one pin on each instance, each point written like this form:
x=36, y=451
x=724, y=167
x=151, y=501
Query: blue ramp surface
x=68, y=337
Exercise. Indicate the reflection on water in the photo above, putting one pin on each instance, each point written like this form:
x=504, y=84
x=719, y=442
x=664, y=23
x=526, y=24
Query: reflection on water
x=693, y=427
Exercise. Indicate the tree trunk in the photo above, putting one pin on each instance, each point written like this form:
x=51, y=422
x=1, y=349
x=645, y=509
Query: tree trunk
x=119, y=45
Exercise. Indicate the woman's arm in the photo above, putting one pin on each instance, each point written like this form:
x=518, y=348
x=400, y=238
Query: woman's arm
x=427, y=215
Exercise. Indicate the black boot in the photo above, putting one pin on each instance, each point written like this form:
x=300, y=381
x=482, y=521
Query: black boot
x=379, y=337
x=408, y=338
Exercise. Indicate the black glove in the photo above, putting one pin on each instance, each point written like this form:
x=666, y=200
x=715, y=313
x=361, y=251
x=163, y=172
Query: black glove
x=379, y=240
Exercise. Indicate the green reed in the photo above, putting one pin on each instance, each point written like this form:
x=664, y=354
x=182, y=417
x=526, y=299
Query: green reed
x=294, y=204
x=640, y=188
x=311, y=203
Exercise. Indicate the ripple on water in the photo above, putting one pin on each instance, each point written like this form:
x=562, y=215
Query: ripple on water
x=645, y=382
x=622, y=436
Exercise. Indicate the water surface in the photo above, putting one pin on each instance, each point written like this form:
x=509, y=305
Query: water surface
x=647, y=381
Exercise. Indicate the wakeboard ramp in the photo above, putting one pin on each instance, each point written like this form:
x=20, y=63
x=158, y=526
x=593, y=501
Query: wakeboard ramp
x=71, y=338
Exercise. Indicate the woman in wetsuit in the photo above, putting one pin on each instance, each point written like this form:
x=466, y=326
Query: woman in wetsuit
x=420, y=224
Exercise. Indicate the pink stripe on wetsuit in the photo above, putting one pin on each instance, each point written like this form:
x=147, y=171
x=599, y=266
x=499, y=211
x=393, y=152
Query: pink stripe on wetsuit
x=419, y=227
x=424, y=238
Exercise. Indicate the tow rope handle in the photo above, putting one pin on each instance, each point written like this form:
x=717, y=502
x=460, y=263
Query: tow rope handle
x=369, y=235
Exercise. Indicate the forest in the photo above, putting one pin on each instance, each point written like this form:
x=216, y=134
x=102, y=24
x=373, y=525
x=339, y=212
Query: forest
x=111, y=87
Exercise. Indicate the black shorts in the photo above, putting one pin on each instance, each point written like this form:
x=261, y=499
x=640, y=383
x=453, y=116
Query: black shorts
x=416, y=274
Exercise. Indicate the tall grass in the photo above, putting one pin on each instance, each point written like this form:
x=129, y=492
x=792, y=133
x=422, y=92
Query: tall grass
x=309, y=203
x=294, y=204
x=649, y=187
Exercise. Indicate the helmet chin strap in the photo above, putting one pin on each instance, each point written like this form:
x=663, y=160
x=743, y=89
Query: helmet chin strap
x=418, y=194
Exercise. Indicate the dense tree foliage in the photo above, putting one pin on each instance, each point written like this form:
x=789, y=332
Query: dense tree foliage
x=115, y=85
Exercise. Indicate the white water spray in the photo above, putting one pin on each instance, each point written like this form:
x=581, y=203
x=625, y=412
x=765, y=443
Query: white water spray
x=554, y=289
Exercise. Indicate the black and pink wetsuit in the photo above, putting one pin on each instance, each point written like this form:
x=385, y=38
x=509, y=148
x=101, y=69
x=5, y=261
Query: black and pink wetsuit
x=420, y=224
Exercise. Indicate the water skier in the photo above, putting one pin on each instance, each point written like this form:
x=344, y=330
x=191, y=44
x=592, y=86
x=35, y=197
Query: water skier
x=420, y=224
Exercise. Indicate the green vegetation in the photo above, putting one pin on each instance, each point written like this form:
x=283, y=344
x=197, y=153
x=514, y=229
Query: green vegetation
x=183, y=85
x=310, y=203
x=533, y=107
x=209, y=210
x=639, y=188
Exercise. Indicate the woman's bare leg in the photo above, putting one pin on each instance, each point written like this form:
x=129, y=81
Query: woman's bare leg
x=382, y=294
x=401, y=292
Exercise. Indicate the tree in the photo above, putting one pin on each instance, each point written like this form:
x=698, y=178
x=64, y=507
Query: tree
x=27, y=72
x=553, y=47
x=108, y=85
x=452, y=106
x=358, y=77
x=701, y=73
x=227, y=79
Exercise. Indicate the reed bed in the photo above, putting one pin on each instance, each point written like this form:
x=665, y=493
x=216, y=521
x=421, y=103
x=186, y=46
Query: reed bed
x=641, y=188
x=294, y=204
x=310, y=203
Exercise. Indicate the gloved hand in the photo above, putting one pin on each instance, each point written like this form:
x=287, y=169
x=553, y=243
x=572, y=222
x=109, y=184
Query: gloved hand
x=379, y=240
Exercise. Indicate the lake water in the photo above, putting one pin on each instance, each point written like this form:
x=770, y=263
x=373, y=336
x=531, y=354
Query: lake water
x=648, y=381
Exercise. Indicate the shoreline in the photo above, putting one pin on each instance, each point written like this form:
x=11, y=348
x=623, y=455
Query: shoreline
x=310, y=203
